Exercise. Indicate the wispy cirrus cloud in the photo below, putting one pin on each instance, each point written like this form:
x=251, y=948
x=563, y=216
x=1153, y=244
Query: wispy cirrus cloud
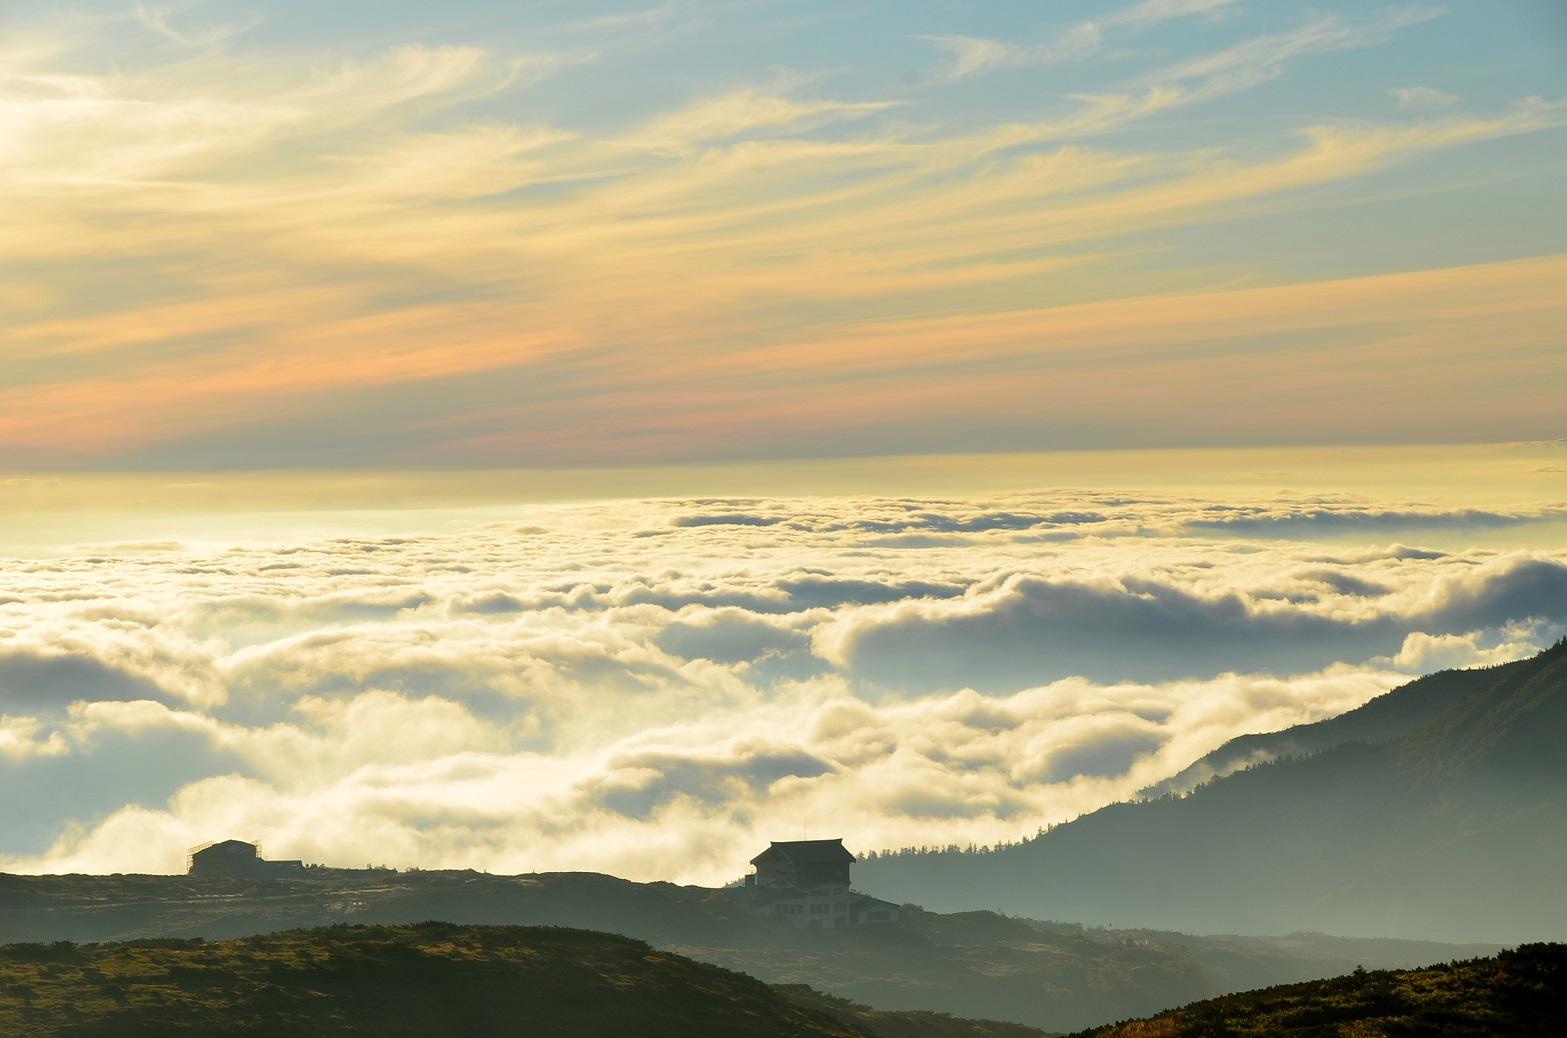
x=1265, y=57
x=160, y=18
x=1151, y=12
x=972, y=56
x=746, y=111
x=632, y=288
x=1423, y=98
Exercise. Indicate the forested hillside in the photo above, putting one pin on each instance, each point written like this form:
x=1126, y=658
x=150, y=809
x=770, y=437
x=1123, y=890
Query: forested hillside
x=1390, y=716
x=1455, y=829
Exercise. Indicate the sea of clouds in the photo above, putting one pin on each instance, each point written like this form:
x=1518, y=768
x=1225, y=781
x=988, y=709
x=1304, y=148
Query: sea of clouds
x=655, y=689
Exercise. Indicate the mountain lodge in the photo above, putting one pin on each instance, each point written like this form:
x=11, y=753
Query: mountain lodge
x=236, y=859
x=807, y=884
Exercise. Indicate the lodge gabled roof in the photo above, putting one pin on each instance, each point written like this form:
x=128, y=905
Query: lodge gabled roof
x=807, y=852
x=226, y=847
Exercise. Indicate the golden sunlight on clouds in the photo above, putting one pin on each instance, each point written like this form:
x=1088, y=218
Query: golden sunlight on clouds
x=297, y=230
x=564, y=685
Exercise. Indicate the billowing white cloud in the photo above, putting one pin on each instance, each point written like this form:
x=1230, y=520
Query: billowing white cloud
x=1023, y=626
x=652, y=688
x=20, y=739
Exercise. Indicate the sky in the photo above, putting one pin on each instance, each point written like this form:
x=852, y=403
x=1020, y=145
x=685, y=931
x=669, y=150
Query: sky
x=252, y=235
x=596, y=436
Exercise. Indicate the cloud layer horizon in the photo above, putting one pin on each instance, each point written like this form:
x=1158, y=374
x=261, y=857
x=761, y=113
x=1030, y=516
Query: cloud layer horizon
x=654, y=688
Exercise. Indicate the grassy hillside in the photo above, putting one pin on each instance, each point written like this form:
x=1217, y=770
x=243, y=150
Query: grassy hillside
x=422, y=980
x=1456, y=830
x=1520, y=993
x=902, y=1024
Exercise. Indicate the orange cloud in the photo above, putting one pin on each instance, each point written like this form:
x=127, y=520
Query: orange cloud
x=247, y=236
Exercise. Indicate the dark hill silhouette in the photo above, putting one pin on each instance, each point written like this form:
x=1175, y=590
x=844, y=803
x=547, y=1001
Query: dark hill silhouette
x=1058, y=976
x=1520, y=993
x=422, y=980
x=1445, y=824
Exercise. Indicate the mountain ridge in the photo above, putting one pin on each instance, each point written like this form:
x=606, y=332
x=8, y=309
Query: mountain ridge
x=1396, y=713
x=1447, y=831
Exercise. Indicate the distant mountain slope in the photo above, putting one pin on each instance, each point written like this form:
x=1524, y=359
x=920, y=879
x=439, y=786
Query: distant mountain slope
x=976, y=964
x=1456, y=830
x=424, y=980
x=1390, y=716
x=1521, y=993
